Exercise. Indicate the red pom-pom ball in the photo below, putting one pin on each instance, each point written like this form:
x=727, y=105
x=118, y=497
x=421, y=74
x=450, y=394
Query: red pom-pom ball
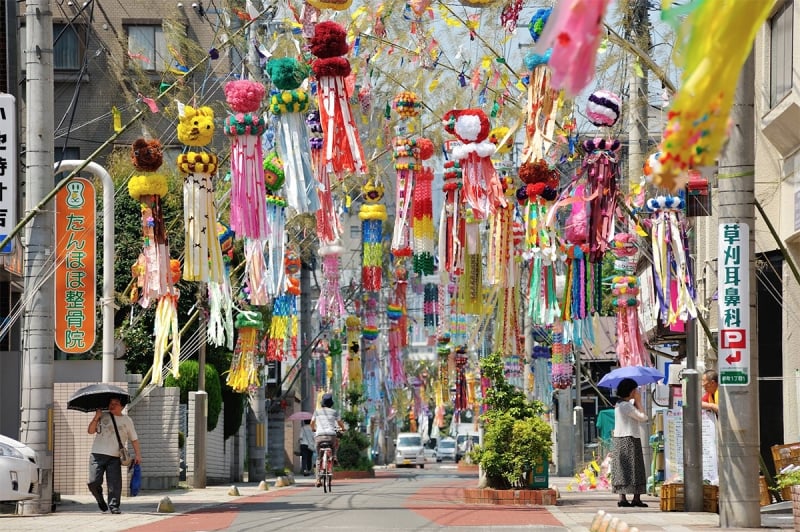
x=329, y=40
x=426, y=148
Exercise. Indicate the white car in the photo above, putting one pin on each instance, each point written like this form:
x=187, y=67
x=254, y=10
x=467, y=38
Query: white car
x=409, y=450
x=19, y=471
x=446, y=450
x=430, y=455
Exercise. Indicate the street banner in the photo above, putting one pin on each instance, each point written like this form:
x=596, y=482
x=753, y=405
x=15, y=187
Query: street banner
x=76, y=282
x=734, y=305
x=8, y=169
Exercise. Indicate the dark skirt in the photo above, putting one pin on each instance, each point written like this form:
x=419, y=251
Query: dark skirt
x=628, y=474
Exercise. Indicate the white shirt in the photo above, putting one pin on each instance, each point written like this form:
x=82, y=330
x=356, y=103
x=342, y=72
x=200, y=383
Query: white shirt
x=306, y=436
x=324, y=420
x=105, y=441
x=628, y=420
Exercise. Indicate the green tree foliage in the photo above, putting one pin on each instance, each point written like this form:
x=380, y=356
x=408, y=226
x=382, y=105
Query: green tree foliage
x=234, y=402
x=353, y=443
x=515, y=438
x=187, y=382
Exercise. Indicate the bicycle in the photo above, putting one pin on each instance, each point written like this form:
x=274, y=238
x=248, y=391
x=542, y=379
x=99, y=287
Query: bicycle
x=325, y=470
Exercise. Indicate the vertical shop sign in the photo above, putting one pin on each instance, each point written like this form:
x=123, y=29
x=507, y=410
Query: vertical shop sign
x=8, y=168
x=76, y=283
x=734, y=305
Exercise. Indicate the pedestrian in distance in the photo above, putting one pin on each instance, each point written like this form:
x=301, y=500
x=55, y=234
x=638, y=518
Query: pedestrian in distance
x=306, y=446
x=710, y=400
x=326, y=425
x=628, y=475
x=113, y=430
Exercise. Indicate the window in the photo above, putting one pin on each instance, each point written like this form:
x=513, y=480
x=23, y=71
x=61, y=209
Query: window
x=147, y=48
x=781, y=37
x=68, y=47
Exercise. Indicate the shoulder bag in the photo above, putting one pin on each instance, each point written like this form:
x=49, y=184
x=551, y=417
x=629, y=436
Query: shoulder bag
x=124, y=455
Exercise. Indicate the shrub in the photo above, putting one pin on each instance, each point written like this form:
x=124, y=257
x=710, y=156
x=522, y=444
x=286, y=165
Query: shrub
x=187, y=382
x=515, y=437
x=353, y=443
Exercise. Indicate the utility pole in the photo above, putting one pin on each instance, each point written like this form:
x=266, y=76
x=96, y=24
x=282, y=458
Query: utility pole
x=305, y=336
x=38, y=320
x=637, y=31
x=200, y=397
x=738, y=354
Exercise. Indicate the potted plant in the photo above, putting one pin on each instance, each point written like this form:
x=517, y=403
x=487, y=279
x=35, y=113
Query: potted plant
x=786, y=484
x=516, y=439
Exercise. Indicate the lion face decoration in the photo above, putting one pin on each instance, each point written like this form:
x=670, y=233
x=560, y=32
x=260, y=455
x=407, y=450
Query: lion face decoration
x=372, y=191
x=196, y=126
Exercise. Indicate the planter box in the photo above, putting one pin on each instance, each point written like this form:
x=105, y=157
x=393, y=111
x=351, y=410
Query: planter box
x=545, y=497
x=672, y=498
x=344, y=475
x=796, y=506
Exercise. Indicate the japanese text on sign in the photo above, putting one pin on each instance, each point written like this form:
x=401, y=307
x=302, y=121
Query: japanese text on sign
x=75, y=267
x=8, y=168
x=734, y=304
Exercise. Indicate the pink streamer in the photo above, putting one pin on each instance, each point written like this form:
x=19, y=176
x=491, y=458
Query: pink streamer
x=248, y=193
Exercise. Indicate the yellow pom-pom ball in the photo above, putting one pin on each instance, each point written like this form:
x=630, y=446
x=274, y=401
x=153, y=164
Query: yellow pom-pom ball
x=147, y=185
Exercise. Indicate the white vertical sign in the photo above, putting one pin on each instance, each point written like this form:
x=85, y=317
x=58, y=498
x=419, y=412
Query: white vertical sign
x=734, y=304
x=8, y=168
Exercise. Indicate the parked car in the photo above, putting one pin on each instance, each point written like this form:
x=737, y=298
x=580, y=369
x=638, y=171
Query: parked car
x=446, y=450
x=19, y=471
x=409, y=450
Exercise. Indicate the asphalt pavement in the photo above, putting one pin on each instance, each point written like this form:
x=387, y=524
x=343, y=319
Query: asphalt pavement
x=402, y=499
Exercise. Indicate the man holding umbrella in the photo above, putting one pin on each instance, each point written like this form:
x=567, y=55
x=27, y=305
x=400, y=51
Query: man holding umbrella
x=113, y=433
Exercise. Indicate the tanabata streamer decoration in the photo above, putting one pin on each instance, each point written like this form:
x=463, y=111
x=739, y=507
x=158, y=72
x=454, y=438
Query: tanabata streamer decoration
x=166, y=328
x=335, y=368
x=335, y=5
x=540, y=120
x=601, y=168
x=343, y=150
x=202, y=255
x=671, y=267
x=562, y=365
x=502, y=275
x=430, y=314
x=372, y=215
x=625, y=290
x=354, y=371
x=405, y=154
x=540, y=366
x=451, y=223
x=290, y=106
x=248, y=209
x=284, y=308
x=573, y=31
x=244, y=364
x=715, y=40
x=482, y=188
x=470, y=290
x=423, y=215
x=152, y=270
x=276, y=217
x=461, y=378
x=330, y=303
x=329, y=228
x=604, y=108
x=396, y=313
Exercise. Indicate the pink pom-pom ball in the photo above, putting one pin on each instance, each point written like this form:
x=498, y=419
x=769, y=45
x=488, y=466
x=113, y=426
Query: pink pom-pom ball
x=244, y=96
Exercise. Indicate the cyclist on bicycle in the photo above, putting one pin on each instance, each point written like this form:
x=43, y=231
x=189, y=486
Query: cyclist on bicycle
x=326, y=423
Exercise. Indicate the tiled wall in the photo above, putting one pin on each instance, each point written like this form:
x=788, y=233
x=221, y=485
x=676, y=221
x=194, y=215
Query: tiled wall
x=221, y=460
x=155, y=416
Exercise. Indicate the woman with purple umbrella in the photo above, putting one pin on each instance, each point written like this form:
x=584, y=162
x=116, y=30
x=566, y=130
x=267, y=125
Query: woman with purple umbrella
x=628, y=474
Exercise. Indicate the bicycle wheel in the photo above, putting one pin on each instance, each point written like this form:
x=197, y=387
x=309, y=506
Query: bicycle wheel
x=325, y=472
x=328, y=479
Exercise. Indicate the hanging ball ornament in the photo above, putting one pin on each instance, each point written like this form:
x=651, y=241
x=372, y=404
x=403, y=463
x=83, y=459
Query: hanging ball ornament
x=603, y=108
x=652, y=166
x=538, y=20
x=406, y=104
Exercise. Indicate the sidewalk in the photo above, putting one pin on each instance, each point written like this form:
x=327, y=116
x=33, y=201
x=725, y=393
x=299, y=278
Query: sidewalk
x=575, y=509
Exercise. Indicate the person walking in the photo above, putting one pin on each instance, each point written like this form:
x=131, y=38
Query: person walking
x=628, y=474
x=326, y=423
x=306, y=446
x=112, y=431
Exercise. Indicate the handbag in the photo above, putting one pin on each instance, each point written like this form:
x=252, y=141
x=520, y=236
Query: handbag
x=124, y=456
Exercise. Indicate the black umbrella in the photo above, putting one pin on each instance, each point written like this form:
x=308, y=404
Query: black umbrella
x=94, y=396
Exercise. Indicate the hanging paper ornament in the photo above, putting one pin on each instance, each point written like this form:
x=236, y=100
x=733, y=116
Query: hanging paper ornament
x=604, y=108
x=470, y=290
x=243, y=373
x=430, y=318
x=152, y=269
x=343, y=150
x=330, y=303
x=601, y=167
x=630, y=347
x=329, y=228
x=406, y=164
x=406, y=104
x=573, y=31
x=672, y=273
x=538, y=21
x=482, y=188
x=540, y=120
x=372, y=215
x=166, y=328
x=510, y=15
x=290, y=106
x=717, y=38
x=497, y=135
x=423, y=223
x=281, y=327
x=248, y=216
x=562, y=366
x=652, y=166
x=451, y=222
